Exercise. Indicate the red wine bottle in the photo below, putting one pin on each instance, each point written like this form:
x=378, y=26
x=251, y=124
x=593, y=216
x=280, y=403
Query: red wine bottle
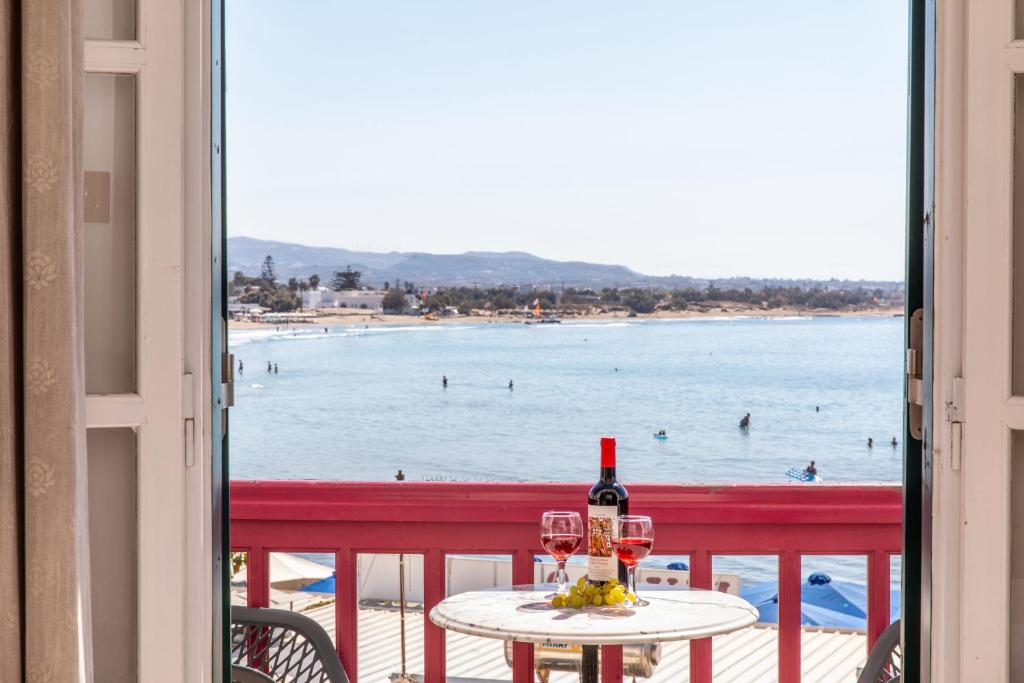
x=607, y=500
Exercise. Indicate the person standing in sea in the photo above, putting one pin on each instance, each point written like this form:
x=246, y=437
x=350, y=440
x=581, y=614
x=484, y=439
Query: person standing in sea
x=510, y=385
x=241, y=367
x=270, y=367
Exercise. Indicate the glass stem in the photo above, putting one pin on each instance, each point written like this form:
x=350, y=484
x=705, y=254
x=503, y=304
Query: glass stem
x=563, y=577
x=631, y=582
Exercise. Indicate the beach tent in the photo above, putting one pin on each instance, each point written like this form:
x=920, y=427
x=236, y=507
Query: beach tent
x=325, y=585
x=823, y=602
x=289, y=572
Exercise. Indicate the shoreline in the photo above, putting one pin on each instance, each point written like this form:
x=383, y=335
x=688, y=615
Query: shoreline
x=335, y=317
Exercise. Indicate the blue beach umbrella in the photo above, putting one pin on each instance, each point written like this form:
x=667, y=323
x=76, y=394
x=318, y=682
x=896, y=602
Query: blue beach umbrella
x=823, y=602
x=680, y=566
x=325, y=585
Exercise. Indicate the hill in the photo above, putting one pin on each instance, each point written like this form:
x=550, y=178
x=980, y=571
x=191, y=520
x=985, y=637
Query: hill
x=486, y=269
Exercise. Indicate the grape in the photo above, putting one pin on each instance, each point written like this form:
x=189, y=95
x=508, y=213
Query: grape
x=583, y=594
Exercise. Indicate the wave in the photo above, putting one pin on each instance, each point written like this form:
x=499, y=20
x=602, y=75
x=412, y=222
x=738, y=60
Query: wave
x=592, y=324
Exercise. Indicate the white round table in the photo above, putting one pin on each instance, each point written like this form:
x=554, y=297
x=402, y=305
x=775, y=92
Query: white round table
x=524, y=614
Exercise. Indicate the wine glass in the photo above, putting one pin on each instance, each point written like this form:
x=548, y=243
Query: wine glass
x=632, y=543
x=561, y=534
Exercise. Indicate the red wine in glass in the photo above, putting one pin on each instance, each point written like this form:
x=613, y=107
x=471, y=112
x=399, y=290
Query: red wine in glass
x=633, y=541
x=631, y=550
x=561, y=534
x=561, y=546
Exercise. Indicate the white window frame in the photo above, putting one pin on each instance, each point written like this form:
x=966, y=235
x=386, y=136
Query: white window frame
x=170, y=409
x=977, y=59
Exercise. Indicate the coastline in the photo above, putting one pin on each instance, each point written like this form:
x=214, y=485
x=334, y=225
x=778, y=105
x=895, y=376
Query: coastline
x=335, y=317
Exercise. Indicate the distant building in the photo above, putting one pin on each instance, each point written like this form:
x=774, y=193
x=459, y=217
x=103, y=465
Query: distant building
x=364, y=299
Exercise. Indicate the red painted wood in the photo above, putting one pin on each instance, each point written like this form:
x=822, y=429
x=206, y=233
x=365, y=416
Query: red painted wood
x=522, y=653
x=878, y=595
x=433, y=636
x=257, y=570
x=451, y=518
x=346, y=611
x=611, y=664
x=789, y=617
x=700, y=650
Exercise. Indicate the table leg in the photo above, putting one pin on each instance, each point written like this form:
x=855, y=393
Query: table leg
x=589, y=671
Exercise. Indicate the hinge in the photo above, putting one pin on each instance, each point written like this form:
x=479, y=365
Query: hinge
x=955, y=416
x=188, y=414
x=228, y=380
x=915, y=361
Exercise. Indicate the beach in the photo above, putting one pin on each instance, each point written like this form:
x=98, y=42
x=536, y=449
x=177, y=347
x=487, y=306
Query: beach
x=341, y=316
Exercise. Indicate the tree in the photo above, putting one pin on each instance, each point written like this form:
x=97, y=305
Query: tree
x=394, y=301
x=387, y=285
x=267, y=272
x=346, y=279
x=640, y=300
x=314, y=281
x=293, y=284
x=239, y=278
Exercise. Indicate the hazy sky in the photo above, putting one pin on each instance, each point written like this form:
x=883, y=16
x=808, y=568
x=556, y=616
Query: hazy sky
x=704, y=138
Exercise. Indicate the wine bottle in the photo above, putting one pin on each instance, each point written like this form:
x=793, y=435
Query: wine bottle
x=607, y=500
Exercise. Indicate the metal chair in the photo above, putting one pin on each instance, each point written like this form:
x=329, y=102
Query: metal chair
x=885, y=661
x=278, y=646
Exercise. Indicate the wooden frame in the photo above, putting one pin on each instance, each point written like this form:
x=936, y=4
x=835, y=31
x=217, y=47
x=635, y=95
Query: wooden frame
x=167, y=59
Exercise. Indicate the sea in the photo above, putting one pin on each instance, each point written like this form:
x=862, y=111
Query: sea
x=530, y=403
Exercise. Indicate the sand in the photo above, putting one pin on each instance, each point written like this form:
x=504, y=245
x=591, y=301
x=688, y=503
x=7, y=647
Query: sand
x=335, y=317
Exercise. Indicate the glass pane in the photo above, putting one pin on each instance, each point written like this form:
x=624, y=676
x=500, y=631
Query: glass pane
x=1018, y=236
x=469, y=656
x=381, y=613
x=110, y=234
x=109, y=19
x=113, y=530
x=833, y=616
x=1017, y=561
x=753, y=653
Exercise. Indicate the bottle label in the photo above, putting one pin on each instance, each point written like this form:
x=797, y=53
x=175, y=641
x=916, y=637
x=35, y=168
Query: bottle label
x=601, y=524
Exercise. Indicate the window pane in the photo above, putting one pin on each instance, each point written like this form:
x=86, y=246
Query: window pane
x=1017, y=560
x=110, y=234
x=113, y=530
x=109, y=19
x=1018, y=237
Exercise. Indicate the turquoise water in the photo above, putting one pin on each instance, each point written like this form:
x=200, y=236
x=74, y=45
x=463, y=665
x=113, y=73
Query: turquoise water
x=357, y=403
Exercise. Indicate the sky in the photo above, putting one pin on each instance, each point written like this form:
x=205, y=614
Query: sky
x=710, y=139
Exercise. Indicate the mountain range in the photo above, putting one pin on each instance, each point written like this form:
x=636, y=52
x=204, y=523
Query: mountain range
x=482, y=268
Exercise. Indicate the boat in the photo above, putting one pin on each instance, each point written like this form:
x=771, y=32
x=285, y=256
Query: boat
x=661, y=437
x=801, y=475
x=549, y=321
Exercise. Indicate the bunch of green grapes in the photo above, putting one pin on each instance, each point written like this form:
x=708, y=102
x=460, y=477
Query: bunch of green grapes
x=584, y=594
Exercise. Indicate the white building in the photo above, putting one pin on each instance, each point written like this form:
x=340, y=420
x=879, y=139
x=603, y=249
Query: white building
x=365, y=299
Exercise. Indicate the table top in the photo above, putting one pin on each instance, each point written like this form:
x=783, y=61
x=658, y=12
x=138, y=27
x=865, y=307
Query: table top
x=524, y=614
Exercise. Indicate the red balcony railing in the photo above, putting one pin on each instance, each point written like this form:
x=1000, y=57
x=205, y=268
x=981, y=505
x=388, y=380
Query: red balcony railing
x=438, y=519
